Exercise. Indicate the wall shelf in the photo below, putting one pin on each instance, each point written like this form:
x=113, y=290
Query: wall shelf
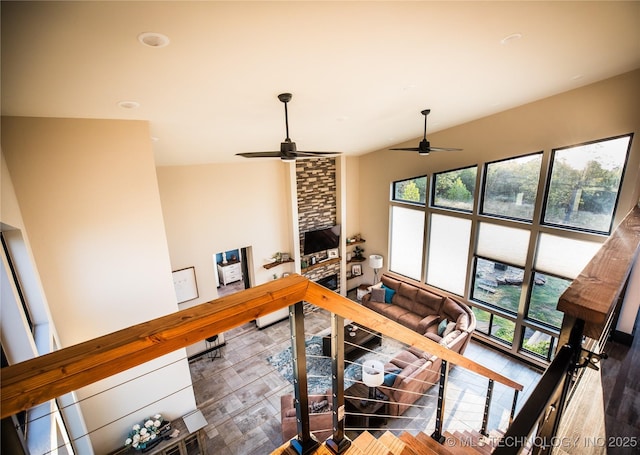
x=321, y=264
x=356, y=260
x=274, y=264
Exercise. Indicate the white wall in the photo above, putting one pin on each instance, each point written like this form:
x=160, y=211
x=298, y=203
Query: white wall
x=88, y=194
x=213, y=208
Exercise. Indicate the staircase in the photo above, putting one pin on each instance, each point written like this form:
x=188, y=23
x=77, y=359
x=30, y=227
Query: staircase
x=456, y=443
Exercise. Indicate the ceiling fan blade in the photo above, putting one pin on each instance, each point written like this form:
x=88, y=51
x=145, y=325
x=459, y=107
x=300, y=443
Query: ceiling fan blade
x=443, y=149
x=260, y=154
x=307, y=153
x=407, y=149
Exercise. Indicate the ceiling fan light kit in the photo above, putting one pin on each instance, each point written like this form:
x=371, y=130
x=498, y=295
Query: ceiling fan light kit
x=424, y=147
x=288, y=149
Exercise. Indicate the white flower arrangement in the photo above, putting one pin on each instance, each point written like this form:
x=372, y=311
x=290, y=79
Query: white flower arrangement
x=141, y=436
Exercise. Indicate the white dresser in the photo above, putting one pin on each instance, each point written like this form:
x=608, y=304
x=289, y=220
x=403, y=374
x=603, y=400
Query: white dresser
x=230, y=272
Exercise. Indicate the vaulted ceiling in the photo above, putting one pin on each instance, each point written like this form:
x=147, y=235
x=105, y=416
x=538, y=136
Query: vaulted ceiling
x=360, y=72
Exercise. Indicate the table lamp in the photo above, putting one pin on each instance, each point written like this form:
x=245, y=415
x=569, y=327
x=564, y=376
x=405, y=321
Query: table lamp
x=375, y=262
x=372, y=376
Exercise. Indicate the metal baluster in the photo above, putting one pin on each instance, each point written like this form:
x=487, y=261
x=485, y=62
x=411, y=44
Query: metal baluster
x=338, y=442
x=513, y=406
x=487, y=407
x=442, y=390
x=305, y=441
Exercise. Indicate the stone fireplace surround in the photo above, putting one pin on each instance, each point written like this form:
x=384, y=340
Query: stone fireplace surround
x=317, y=207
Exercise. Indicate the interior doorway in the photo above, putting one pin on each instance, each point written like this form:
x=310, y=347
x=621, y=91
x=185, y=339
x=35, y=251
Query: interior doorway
x=232, y=270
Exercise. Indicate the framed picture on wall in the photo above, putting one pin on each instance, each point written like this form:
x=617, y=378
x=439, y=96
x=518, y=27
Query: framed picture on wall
x=184, y=283
x=356, y=270
x=332, y=253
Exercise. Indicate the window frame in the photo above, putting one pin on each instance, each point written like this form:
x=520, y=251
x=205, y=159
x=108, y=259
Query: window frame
x=535, y=227
x=404, y=201
x=432, y=192
x=482, y=194
x=545, y=196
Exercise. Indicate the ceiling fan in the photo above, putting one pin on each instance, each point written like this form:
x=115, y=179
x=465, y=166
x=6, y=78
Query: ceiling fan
x=288, y=150
x=424, y=147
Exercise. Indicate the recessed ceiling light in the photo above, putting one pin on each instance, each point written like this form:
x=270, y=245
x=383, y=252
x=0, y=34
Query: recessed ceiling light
x=577, y=77
x=155, y=139
x=129, y=104
x=510, y=38
x=153, y=39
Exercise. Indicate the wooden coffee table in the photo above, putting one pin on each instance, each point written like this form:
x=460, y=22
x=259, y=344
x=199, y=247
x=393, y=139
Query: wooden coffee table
x=374, y=411
x=355, y=345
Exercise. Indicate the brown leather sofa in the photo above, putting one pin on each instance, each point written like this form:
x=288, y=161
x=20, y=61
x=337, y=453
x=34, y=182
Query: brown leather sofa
x=320, y=416
x=441, y=318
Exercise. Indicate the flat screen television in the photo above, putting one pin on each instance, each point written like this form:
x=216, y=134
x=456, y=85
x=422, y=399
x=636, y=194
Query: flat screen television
x=321, y=239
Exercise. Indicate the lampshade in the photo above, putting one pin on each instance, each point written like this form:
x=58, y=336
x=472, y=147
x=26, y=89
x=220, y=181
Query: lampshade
x=375, y=261
x=373, y=373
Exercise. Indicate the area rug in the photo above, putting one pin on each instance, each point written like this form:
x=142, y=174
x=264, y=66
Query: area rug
x=319, y=366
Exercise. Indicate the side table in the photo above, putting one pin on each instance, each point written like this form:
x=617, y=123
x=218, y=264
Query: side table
x=373, y=412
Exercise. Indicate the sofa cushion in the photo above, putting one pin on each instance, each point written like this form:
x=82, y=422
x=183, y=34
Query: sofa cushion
x=408, y=291
x=411, y=369
x=390, y=282
x=450, y=328
x=433, y=337
x=403, y=359
x=462, y=323
x=426, y=322
x=429, y=302
x=377, y=295
x=451, y=309
x=393, y=312
x=410, y=320
x=446, y=341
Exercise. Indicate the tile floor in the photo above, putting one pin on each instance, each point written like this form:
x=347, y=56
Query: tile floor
x=239, y=394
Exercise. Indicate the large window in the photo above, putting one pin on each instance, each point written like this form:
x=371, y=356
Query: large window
x=411, y=190
x=455, y=189
x=511, y=186
x=545, y=292
x=498, y=285
x=449, y=248
x=584, y=184
x=407, y=234
x=540, y=219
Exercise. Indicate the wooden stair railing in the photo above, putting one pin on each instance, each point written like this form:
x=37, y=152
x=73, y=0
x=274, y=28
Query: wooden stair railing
x=43, y=378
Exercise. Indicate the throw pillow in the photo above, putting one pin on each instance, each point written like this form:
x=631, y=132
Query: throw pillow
x=377, y=295
x=450, y=328
x=388, y=294
x=442, y=326
x=390, y=377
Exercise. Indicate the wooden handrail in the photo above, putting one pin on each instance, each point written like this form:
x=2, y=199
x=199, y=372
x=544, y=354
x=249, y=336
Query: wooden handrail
x=35, y=381
x=43, y=378
x=594, y=294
